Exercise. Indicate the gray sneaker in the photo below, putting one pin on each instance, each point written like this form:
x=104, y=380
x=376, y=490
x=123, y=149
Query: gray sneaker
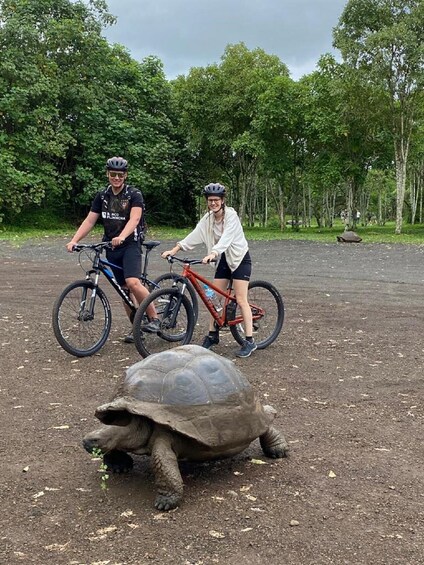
x=129, y=338
x=247, y=349
x=153, y=327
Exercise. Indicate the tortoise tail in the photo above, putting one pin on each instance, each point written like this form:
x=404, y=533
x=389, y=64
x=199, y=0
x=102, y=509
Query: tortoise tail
x=273, y=443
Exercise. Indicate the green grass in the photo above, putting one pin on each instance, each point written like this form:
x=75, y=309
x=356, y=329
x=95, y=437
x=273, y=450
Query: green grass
x=370, y=234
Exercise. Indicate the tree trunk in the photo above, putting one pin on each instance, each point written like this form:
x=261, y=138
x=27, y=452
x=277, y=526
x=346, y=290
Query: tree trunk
x=349, y=221
x=400, y=190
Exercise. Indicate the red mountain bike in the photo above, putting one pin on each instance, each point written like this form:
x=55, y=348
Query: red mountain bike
x=177, y=318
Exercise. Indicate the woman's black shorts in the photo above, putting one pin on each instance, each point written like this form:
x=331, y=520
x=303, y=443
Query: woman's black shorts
x=242, y=273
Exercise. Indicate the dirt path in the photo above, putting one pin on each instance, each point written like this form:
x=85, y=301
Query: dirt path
x=346, y=377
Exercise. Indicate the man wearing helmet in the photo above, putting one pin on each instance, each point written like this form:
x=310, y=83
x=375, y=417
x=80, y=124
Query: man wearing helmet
x=121, y=208
x=221, y=231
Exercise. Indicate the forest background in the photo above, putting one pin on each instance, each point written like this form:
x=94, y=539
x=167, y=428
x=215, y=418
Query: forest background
x=346, y=138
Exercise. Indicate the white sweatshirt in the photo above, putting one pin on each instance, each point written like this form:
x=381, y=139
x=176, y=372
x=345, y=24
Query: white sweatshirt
x=232, y=242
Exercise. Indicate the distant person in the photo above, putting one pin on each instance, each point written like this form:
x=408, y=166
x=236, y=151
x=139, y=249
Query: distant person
x=221, y=231
x=121, y=208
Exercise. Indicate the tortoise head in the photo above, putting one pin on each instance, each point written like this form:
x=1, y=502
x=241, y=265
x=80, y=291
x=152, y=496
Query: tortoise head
x=132, y=433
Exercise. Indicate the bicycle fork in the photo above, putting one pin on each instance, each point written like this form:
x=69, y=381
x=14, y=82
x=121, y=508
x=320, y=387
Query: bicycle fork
x=86, y=310
x=172, y=306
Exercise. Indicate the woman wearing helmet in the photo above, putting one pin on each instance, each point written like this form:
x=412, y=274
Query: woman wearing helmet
x=121, y=208
x=221, y=231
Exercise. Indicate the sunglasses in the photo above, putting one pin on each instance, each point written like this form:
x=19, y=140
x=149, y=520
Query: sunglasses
x=114, y=175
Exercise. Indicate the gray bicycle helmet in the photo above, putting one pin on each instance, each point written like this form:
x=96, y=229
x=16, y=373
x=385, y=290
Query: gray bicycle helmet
x=117, y=164
x=214, y=189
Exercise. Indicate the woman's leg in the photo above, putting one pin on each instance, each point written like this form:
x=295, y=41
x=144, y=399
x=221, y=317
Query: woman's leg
x=240, y=290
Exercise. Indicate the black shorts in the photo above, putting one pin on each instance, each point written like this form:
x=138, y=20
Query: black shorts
x=128, y=257
x=242, y=273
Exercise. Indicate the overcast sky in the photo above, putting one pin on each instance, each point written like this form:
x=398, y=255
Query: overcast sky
x=194, y=33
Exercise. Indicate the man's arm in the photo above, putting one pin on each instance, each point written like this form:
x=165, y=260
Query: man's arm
x=130, y=226
x=84, y=229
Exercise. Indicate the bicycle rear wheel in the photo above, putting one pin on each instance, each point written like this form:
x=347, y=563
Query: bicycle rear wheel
x=167, y=280
x=77, y=331
x=175, y=314
x=266, y=328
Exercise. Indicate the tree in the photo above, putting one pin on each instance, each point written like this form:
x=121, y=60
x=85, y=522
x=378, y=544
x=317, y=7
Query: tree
x=34, y=42
x=69, y=100
x=383, y=40
x=219, y=104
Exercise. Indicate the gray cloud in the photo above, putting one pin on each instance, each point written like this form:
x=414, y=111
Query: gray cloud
x=194, y=33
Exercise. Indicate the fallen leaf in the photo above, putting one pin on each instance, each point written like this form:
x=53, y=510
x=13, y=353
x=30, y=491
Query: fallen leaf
x=127, y=513
x=245, y=488
x=332, y=474
x=106, y=530
x=57, y=546
x=258, y=462
x=215, y=534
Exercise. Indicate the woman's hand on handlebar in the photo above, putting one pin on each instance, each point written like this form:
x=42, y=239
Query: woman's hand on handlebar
x=209, y=258
x=166, y=254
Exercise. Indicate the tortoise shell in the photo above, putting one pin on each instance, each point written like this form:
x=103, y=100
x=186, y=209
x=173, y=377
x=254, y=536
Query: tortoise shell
x=349, y=237
x=191, y=391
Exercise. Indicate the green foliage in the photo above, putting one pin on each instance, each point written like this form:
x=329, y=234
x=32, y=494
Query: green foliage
x=97, y=455
x=382, y=41
x=69, y=100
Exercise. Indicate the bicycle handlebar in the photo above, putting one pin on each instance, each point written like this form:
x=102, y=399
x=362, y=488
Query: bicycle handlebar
x=173, y=258
x=81, y=246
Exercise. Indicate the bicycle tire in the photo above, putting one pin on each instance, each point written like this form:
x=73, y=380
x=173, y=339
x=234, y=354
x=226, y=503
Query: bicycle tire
x=266, y=329
x=168, y=279
x=81, y=337
x=177, y=326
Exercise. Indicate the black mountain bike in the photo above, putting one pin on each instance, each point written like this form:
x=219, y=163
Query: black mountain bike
x=82, y=316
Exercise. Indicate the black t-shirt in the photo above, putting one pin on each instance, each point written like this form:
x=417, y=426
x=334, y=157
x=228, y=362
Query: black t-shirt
x=115, y=211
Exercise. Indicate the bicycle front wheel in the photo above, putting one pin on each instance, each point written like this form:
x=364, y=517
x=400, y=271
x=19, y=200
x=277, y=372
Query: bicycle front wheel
x=266, y=327
x=169, y=279
x=80, y=329
x=176, y=319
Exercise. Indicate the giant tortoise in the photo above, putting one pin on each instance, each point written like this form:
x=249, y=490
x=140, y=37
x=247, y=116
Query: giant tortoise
x=349, y=237
x=186, y=403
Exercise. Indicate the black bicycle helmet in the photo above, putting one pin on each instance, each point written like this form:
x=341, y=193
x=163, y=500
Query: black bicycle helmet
x=214, y=189
x=117, y=164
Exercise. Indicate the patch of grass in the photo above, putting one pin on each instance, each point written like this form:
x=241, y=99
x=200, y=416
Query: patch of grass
x=370, y=234
x=18, y=234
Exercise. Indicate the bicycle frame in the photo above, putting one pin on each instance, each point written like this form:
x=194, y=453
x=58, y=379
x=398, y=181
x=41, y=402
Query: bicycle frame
x=102, y=265
x=227, y=317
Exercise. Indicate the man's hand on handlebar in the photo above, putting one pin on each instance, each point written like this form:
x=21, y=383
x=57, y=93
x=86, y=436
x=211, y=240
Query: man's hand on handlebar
x=70, y=246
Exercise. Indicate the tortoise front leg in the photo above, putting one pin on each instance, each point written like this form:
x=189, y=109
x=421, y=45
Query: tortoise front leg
x=168, y=478
x=118, y=461
x=273, y=443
